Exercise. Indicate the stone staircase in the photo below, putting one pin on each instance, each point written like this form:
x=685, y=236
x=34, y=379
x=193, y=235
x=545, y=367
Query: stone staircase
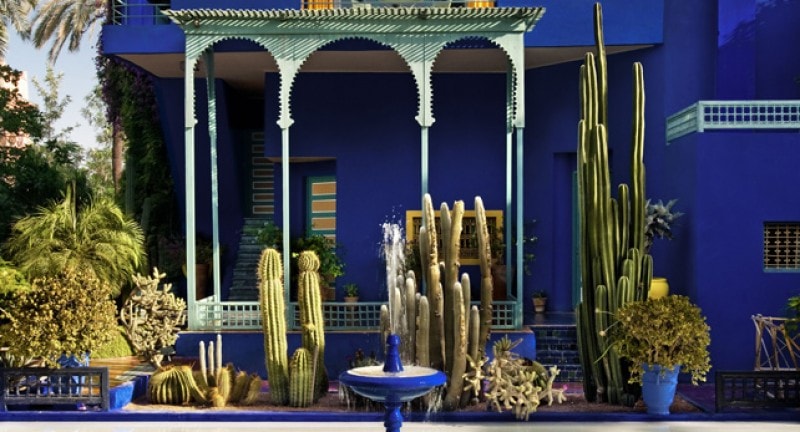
x=557, y=344
x=244, y=286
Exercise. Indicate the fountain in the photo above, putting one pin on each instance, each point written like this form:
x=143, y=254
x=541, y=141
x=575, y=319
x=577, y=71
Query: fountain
x=392, y=384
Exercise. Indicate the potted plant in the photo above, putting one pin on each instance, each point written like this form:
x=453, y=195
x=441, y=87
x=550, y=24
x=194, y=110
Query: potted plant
x=351, y=293
x=660, y=337
x=539, y=301
x=659, y=219
x=331, y=265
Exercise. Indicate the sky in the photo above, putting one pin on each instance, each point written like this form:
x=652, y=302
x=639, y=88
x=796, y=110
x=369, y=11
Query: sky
x=78, y=80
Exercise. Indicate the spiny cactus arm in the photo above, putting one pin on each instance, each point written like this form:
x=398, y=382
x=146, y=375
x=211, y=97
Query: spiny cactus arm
x=203, y=366
x=466, y=294
x=311, y=318
x=212, y=368
x=623, y=221
x=638, y=200
x=455, y=382
x=433, y=285
x=411, y=299
x=487, y=285
x=253, y=390
x=602, y=69
x=218, y=352
x=452, y=245
x=445, y=223
x=423, y=332
x=273, y=315
x=241, y=382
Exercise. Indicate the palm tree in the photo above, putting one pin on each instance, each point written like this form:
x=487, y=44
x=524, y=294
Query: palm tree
x=13, y=13
x=99, y=238
x=62, y=20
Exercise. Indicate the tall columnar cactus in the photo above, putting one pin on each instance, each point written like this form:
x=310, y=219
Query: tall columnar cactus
x=273, y=319
x=487, y=284
x=613, y=268
x=311, y=318
x=429, y=252
x=449, y=312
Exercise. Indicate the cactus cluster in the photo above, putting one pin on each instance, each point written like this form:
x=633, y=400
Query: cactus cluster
x=302, y=381
x=614, y=269
x=213, y=384
x=513, y=383
x=152, y=317
x=440, y=328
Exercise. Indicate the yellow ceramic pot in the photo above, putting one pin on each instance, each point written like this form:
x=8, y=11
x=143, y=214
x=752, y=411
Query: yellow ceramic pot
x=658, y=288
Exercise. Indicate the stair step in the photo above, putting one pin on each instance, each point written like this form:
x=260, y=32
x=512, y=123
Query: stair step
x=557, y=345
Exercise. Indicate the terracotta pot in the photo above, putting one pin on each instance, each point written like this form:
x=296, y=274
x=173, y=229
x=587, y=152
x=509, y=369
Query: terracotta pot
x=539, y=304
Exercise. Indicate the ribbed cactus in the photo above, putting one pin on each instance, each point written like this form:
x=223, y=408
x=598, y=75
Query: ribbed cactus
x=429, y=252
x=171, y=385
x=487, y=284
x=613, y=269
x=446, y=310
x=273, y=319
x=311, y=319
x=213, y=383
x=423, y=332
x=301, y=382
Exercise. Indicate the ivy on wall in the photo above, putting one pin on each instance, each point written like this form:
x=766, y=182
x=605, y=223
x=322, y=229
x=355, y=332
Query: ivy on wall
x=145, y=183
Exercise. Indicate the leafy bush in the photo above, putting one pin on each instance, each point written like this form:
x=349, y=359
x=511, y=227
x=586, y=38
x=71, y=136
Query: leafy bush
x=11, y=282
x=119, y=346
x=70, y=313
x=669, y=331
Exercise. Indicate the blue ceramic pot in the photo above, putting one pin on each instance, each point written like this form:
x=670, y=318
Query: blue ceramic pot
x=658, y=388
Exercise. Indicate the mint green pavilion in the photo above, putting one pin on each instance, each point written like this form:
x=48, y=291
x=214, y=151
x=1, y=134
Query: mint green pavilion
x=418, y=35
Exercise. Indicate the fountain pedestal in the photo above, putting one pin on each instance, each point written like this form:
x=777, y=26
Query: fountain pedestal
x=392, y=384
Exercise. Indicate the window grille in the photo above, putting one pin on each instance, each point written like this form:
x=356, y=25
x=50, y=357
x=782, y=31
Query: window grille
x=782, y=246
x=469, y=229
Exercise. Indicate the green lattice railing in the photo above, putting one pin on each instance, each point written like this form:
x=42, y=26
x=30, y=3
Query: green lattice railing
x=246, y=315
x=730, y=115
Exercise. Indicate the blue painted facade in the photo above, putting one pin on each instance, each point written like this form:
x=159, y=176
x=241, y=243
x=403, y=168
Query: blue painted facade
x=727, y=183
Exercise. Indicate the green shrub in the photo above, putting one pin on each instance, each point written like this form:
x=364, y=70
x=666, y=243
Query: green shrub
x=118, y=346
x=70, y=313
x=11, y=282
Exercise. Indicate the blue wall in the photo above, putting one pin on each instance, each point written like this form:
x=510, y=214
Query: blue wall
x=744, y=178
x=728, y=184
x=755, y=37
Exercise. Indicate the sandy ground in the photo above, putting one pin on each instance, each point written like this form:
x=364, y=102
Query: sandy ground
x=333, y=403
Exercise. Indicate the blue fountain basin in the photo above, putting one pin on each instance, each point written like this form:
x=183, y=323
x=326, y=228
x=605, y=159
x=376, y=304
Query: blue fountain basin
x=373, y=383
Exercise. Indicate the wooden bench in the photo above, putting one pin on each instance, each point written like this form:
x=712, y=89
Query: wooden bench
x=54, y=387
x=757, y=389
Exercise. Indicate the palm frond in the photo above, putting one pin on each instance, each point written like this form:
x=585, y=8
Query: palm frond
x=60, y=21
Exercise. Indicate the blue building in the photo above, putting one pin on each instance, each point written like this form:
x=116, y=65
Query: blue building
x=722, y=119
